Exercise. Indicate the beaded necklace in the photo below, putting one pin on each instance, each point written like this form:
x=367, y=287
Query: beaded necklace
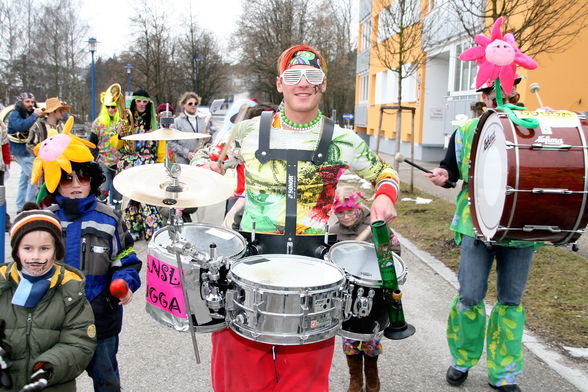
x=300, y=127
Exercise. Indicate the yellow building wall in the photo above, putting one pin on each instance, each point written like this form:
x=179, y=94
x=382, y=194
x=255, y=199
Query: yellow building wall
x=388, y=127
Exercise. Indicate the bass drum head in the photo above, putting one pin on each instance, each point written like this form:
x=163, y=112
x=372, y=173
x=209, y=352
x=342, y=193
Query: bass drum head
x=359, y=260
x=228, y=242
x=290, y=272
x=489, y=177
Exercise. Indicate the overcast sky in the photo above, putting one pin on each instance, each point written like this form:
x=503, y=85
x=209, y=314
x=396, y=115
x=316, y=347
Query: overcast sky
x=109, y=19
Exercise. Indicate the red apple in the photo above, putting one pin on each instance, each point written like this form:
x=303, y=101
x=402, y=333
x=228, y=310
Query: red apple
x=119, y=288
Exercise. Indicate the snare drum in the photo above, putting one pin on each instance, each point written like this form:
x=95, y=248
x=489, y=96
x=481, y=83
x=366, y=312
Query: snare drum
x=529, y=184
x=165, y=298
x=285, y=299
x=369, y=311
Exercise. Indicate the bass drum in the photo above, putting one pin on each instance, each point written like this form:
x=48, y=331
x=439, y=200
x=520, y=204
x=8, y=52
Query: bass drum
x=165, y=298
x=529, y=184
x=369, y=312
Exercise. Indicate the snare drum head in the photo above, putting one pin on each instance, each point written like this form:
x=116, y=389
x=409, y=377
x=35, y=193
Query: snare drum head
x=286, y=271
x=359, y=260
x=490, y=176
x=228, y=242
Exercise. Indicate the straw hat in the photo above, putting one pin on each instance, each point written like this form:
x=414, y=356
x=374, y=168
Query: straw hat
x=52, y=104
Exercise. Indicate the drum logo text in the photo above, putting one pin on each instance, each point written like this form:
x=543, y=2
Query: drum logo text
x=489, y=140
x=291, y=187
x=548, y=140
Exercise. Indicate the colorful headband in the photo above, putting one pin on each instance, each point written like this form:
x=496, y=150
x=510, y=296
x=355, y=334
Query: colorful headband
x=305, y=57
x=350, y=202
x=57, y=152
x=25, y=95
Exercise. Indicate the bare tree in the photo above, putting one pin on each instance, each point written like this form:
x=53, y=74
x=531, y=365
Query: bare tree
x=548, y=26
x=266, y=28
x=201, y=66
x=399, y=45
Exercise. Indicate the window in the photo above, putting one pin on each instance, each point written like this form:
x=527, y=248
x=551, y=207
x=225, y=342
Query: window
x=387, y=87
x=364, y=88
x=366, y=31
x=400, y=14
x=465, y=71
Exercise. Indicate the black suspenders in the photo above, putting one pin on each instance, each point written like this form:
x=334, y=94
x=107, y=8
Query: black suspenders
x=292, y=157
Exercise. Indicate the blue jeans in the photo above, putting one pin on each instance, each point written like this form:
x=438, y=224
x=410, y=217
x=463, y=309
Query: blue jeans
x=103, y=367
x=113, y=196
x=512, y=269
x=26, y=191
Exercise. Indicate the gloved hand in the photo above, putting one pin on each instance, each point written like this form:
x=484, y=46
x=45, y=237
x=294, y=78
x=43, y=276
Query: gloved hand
x=42, y=373
x=5, y=380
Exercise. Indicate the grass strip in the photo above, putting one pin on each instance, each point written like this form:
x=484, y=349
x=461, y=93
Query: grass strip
x=555, y=298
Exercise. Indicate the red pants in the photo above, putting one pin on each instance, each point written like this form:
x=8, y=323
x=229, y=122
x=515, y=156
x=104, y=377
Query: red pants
x=242, y=365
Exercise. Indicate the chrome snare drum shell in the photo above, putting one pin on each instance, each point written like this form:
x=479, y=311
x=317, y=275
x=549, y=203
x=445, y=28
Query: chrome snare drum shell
x=366, y=314
x=228, y=243
x=285, y=299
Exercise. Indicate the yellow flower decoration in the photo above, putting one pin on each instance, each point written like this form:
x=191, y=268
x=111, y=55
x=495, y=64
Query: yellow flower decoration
x=57, y=152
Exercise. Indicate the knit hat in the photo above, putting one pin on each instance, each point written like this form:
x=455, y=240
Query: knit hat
x=164, y=107
x=33, y=220
x=25, y=95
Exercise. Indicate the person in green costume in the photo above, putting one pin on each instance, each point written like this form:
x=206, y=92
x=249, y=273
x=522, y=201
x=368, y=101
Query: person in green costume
x=466, y=327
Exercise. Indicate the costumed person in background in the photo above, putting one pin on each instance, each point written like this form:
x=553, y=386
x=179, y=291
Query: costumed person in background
x=103, y=128
x=240, y=364
x=96, y=241
x=188, y=121
x=46, y=300
x=466, y=328
x=353, y=219
x=143, y=220
x=20, y=121
x=4, y=162
x=165, y=109
x=52, y=117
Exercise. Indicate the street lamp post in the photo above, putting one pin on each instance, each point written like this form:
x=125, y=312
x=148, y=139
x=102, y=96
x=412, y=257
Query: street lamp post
x=93, y=43
x=129, y=68
x=197, y=60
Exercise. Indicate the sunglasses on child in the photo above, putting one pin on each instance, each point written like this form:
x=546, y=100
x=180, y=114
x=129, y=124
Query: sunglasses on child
x=68, y=179
x=293, y=76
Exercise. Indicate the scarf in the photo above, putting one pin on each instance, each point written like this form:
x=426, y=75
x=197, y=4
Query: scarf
x=31, y=289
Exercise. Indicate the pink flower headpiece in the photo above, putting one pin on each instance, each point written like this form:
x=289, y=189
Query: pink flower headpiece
x=497, y=57
x=348, y=203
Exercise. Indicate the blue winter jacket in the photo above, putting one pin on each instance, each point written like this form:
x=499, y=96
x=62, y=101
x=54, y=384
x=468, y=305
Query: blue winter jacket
x=97, y=243
x=19, y=122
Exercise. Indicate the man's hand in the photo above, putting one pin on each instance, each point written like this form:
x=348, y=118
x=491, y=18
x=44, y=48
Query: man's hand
x=383, y=209
x=38, y=111
x=438, y=176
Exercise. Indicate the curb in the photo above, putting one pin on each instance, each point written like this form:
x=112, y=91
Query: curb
x=551, y=358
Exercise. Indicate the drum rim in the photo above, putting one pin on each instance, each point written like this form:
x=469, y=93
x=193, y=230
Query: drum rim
x=292, y=289
x=329, y=333
x=366, y=282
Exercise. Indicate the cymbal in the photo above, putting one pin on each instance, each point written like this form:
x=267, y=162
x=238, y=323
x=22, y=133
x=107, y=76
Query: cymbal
x=167, y=134
x=199, y=187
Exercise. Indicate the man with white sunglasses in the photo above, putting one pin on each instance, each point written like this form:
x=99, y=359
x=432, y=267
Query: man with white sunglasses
x=293, y=160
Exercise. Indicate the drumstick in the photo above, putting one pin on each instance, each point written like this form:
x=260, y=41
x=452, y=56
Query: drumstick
x=238, y=119
x=364, y=234
x=534, y=87
x=400, y=158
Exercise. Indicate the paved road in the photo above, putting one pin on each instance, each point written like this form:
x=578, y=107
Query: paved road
x=154, y=358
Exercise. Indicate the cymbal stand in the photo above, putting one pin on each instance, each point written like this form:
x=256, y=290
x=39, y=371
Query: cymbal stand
x=175, y=229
